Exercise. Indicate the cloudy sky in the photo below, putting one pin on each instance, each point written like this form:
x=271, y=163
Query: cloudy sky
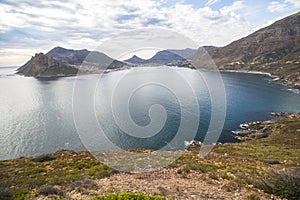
x=27, y=26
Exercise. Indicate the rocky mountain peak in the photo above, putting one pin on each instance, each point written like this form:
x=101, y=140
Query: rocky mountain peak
x=38, y=64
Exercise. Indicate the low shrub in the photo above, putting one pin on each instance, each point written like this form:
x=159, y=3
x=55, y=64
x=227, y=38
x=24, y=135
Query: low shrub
x=86, y=184
x=271, y=162
x=6, y=194
x=50, y=190
x=253, y=196
x=131, y=196
x=98, y=172
x=285, y=184
x=44, y=158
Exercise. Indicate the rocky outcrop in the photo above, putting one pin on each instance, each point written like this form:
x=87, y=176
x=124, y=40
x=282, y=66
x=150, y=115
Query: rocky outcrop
x=67, y=62
x=42, y=65
x=194, y=145
x=258, y=130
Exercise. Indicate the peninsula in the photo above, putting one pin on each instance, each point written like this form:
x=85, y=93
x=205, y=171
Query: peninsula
x=274, y=49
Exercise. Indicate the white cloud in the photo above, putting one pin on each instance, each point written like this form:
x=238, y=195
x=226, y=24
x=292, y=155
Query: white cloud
x=85, y=23
x=237, y=5
x=211, y=2
x=286, y=5
x=207, y=26
x=16, y=57
x=295, y=3
x=276, y=6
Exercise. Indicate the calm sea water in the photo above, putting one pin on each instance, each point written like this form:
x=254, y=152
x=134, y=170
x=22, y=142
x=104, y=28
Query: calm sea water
x=36, y=115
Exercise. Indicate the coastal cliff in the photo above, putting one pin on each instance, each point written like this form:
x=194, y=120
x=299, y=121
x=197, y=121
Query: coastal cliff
x=42, y=65
x=67, y=62
x=274, y=49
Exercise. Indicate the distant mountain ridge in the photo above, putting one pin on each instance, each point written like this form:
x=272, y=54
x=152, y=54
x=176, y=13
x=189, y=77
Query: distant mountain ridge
x=186, y=53
x=136, y=60
x=274, y=49
x=70, y=56
x=165, y=57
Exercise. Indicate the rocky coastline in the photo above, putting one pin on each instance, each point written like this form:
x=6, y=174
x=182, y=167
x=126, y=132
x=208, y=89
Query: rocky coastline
x=252, y=130
x=258, y=130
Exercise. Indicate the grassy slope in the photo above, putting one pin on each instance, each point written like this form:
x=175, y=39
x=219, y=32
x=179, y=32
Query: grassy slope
x=247, y=165
x=282, y=145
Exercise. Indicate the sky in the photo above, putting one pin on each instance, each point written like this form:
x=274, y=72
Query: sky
x=28, y=27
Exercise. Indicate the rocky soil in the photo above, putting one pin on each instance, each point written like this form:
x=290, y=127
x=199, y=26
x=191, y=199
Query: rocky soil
x=167, y=182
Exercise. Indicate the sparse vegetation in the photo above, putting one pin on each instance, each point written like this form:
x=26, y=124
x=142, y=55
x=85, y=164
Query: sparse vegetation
x=270, y=164
x=50, y=190
x=129, y=196
x=253, y=196
x=285, y=184
x=61, y=168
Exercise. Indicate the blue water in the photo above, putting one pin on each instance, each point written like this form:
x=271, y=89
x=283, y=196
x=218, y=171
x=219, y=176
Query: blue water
x=36, y=115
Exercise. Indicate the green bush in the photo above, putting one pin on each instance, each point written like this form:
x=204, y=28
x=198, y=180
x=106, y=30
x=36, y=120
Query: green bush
x=44, y=158
x=204, y=168
x=21, y=194
x=98, y=172
x=7, y=194
x=283, y=184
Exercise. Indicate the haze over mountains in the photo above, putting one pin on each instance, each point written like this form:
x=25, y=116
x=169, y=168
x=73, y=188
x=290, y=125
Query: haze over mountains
x=169, y=56
x=165, y=57
x=274, y=49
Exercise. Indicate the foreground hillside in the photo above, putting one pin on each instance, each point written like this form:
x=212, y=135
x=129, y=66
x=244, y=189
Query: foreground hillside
x=255, y=169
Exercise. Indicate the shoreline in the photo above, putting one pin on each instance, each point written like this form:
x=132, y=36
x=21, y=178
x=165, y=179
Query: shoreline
x=273, y=77
x=261, y=129
x=251, y=72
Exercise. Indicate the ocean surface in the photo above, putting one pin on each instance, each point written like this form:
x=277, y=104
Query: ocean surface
x=40, y=116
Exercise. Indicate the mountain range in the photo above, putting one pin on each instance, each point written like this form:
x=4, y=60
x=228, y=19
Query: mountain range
x=274, y=49
x=65, y=62
x=164, y=57
x=169, y=56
